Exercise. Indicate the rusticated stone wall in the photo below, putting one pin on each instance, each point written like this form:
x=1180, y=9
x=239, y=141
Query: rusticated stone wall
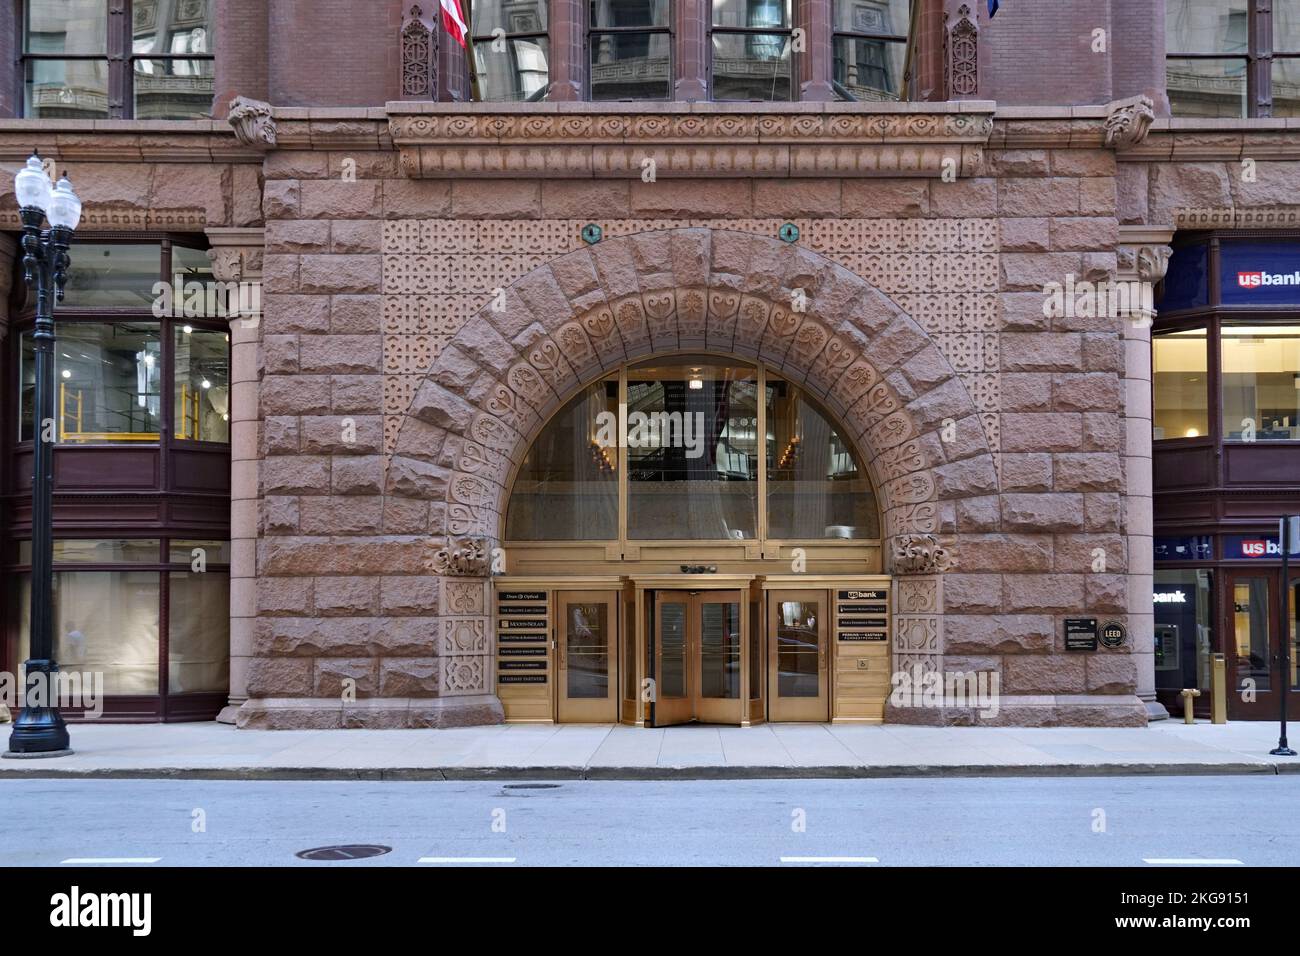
x=394, y=401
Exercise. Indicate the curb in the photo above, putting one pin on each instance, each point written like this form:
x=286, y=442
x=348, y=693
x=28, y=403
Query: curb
x=598, y=773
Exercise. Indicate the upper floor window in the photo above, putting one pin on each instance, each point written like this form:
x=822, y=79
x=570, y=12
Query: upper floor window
x=1219, y=66
x=752, y=56
x=511, y=49
x=630, y=46
x=870, y=47
x=80, y=62
x=142, y=349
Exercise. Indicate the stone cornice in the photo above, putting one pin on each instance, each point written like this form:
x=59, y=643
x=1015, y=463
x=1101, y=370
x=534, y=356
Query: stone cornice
x=610, y=141
x=134, y=141
x=1218, y=141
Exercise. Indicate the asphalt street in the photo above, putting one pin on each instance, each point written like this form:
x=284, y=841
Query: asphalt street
x=1092, y=821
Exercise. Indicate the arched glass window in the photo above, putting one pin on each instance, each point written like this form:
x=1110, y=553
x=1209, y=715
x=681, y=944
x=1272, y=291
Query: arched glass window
x=684, y=461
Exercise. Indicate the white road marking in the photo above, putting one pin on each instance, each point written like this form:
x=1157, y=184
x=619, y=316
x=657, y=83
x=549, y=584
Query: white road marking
x=466, y=859
x=111, y=859
x=829, y=859
x=1191, y=862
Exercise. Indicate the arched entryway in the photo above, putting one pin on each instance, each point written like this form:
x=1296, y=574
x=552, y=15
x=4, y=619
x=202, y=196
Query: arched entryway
x=573, y=322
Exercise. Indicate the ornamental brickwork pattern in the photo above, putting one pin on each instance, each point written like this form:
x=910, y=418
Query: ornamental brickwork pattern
x=439, y=272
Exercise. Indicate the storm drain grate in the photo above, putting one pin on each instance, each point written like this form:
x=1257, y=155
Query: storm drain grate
x=346, y=851
x=531, y=786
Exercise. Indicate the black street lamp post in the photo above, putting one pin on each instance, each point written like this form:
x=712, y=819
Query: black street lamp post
x=39, y=729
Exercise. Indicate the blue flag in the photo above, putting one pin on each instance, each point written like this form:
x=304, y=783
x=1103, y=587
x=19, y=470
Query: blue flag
x=993, y=8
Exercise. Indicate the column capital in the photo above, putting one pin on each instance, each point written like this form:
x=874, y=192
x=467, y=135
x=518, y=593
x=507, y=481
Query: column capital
x=236, y=253
x=1144, y=252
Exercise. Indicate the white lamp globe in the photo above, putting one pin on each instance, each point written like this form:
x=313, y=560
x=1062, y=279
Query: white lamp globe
x=32, y=185
x=65, y=208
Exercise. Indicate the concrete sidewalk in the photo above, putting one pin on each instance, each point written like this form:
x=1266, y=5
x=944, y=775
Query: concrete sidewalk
x=219, y=751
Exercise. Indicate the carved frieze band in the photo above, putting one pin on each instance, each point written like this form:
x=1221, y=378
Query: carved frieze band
x=605, y=145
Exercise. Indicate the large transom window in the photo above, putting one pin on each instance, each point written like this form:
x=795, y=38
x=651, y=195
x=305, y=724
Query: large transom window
x=692, y=447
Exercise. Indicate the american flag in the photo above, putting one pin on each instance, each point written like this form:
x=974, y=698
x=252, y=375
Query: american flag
x=453, y=20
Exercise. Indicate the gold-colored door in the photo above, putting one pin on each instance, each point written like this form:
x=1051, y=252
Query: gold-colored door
x=798, y=669
x=699, y=656
x=586, y=688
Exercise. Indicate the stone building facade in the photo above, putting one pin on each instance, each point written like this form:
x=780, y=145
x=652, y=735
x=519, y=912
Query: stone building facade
x=439, y=277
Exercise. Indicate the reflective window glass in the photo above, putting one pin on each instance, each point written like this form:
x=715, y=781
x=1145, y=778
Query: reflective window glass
x=202, y=384
x=198, y=632
x=868, y=65
x=567, y=485
x=1260, y=377
x=108, y=380
x=113, y=275
x=627, y=62
x=513, y=66
x=1184, y=628
x=692, y=437
x=105, y=622
x=751, y=65
x=816, y=487
x=1180, y=385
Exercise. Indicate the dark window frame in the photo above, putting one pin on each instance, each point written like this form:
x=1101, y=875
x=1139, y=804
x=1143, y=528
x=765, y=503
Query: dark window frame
x=510, y=38
x=119, y=55
x=25, y=318
x=787, y=33
x=882, y=38
x=593, y=34
x=1258, y=59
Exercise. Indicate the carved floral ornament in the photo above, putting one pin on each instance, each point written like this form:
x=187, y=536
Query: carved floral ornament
x=920, y=554
x=252, y=122
x=1127, y=121
x=467, y=557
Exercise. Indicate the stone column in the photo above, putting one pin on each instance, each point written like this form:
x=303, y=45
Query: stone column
x=691, y=63
x=568, y=66
x=237, y=257
x=1143, y=258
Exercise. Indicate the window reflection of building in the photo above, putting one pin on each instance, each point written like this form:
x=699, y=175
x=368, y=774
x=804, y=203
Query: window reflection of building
x=513, y=64
x=870, y=46
x=68, y=72
x=752, y=55
x=1213, y=54
x=630, y=49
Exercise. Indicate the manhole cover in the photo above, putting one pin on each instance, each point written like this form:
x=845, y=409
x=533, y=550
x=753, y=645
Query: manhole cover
x=531, y=786
x=347, y=851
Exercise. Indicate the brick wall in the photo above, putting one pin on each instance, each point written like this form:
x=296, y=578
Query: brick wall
x=333, y=52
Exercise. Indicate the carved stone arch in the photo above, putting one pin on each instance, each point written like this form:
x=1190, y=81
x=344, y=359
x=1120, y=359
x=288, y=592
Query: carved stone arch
x=571, y=321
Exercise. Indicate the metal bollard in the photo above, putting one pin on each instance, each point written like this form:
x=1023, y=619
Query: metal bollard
x=1219, y=689
x=1187, y=694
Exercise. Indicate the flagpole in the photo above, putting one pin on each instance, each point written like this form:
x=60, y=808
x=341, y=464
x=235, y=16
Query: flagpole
x=910, y=56
x=474, y=95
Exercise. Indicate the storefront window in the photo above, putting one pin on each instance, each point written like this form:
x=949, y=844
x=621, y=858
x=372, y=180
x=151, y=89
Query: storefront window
x=1183, y=628
x=512, y=64
x=1250, y=625
x=112, y=275
x=870, y=47
x=104, y=622
x=751, y=50
x=198, y=634
x=567, y=486
x=816, y=488
x=108, y=380
x=692, y=439
x=202, y=384
x=1260, y=377
x=629, y=43
x=1180, y=389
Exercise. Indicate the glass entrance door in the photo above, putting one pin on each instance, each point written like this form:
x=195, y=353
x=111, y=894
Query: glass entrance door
x=798, y=673
x=1252, y=646
x=699, y=655
x=587, y=649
